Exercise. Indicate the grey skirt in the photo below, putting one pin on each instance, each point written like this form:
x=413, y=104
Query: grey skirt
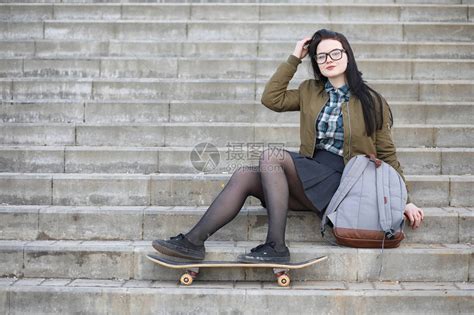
x=319, y=175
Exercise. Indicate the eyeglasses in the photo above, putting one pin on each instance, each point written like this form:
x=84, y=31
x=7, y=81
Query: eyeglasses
x=335, y=54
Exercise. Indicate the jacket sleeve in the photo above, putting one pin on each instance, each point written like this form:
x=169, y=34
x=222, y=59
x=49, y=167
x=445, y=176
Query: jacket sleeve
x=386, y=150
x=275, y=95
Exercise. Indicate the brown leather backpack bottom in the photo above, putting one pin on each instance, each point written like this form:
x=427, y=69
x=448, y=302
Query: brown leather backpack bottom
x=366, y=238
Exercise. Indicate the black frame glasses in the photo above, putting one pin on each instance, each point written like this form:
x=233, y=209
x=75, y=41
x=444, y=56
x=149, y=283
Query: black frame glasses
x=330, y=54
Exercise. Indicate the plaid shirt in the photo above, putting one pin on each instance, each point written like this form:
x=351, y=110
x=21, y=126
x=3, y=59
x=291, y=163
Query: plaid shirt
x=329, y=125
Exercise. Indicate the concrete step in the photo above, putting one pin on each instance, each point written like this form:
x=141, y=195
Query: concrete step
x=28, y=89
x=450, y=2
x=185, y=189
x=225, y=68
x=218, y=134
x=127, y=260
x=239, y=11
x=149, y=160
x=158, y=89
x=235, y=29
x=440, y=225
x=231, y=48
x=63, y=111
x=69, y=295
x=104, y=112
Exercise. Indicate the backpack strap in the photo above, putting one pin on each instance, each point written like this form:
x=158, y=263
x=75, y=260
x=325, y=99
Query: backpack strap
x=383, y=203
x=350, y=177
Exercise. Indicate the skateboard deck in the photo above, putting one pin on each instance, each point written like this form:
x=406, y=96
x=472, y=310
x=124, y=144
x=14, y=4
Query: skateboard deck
x=192, y=267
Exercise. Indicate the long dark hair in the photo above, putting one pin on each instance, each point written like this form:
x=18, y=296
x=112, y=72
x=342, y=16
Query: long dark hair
x=373, y=116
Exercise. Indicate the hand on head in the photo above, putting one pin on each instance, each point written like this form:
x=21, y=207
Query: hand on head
x=300, y=50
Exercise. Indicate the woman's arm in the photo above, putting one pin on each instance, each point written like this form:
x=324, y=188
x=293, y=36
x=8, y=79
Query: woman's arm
x=275, y=95
x=386, y=152
x=384, y=145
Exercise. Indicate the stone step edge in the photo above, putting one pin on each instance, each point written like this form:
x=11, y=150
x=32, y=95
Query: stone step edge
x=195, y=210
x=32, y=283
x=242, y=22
x=226, y=41
x=207, y=124
x=254, y=2
x=5, y=147
x=191, y=20
x=95, y=297
x=189, y=210
x=208, y=80
x=196, y=176
x=208, y=102
x=199, y=176
x=180, y=58
x=198, y=210
x=141, y=247
x=247, y=4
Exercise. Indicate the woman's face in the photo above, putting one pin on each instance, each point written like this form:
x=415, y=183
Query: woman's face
x=331, y=68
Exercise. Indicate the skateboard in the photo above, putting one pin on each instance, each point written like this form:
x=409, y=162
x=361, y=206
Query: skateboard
x=192, y=268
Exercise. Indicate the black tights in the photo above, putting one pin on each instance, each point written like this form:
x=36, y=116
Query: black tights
x=275, y=181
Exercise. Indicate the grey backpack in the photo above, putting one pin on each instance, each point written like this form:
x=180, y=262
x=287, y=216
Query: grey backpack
x=367, y=209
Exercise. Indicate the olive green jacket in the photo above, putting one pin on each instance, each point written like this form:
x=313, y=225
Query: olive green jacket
x=310, y=98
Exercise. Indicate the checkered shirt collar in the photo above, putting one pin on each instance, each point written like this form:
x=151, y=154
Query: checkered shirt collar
x=343, y=92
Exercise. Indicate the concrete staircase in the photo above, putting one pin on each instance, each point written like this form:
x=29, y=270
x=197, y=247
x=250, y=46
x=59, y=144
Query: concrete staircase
x=102, y=104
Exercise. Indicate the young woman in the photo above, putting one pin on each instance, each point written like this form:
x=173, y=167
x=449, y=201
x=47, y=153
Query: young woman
x=340, y=117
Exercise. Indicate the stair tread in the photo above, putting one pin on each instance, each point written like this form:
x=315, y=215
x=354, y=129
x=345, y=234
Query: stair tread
x=210, y=80
x=195, y=175
x=72, y=295
x=236, y=21
x=226, y=58
x=408, y=287
x=236, y=41
x=7, y=147
x=214, y=124
x=305, y=248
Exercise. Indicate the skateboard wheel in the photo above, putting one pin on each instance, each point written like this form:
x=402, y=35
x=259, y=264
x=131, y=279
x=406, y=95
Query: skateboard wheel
x=283, y=280
x=186, y=279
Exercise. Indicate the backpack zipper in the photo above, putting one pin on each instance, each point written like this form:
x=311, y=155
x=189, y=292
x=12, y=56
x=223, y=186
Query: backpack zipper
x=315, y=126
x=350, y=131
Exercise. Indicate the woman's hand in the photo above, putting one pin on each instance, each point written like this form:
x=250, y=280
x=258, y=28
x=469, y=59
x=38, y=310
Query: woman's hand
x=300, y=51
x=414, y=214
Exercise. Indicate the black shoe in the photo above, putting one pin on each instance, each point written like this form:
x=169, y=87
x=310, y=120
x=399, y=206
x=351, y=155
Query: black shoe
x=266, y=253
x=180, y=246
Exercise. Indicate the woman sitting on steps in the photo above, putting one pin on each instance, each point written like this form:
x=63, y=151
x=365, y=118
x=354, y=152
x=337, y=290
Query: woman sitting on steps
x=340, y=117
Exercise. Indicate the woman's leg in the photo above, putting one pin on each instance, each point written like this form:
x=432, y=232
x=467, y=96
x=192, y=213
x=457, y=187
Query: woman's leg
x=275, y=180
x=244, y=182
x=281, y=189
